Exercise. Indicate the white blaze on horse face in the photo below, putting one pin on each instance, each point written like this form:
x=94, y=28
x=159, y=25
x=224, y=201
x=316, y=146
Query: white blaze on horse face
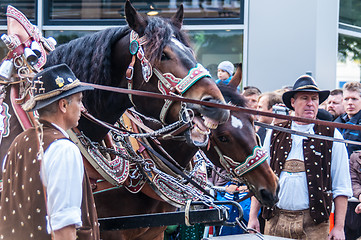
x=178, y=43
x=236, y=123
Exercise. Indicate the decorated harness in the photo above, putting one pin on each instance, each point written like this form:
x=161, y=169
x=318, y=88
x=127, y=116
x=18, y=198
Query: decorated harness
x=120, y=159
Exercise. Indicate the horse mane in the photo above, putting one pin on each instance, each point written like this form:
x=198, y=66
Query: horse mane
x=89, y=56
x=231, y=94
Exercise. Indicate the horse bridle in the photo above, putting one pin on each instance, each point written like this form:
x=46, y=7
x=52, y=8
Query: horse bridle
x=168, y=84
x=257, y=157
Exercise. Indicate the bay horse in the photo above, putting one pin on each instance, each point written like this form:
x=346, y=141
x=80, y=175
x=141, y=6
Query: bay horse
x=107, y=56
x=126, y=57
x=235, y=139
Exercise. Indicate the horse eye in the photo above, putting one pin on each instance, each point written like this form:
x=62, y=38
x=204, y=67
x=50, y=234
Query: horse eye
x=223, y=139
x=164, y=57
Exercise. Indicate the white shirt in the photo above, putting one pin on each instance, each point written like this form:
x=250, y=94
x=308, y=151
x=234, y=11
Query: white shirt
x=293, y=193
x=62, y=174
x=1, y=122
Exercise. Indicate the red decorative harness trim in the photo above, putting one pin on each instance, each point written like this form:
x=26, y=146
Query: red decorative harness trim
x=168, y=84
x=257, y=157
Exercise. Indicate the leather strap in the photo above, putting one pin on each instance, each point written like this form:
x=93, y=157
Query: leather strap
x=327, y=138
x=223, y=106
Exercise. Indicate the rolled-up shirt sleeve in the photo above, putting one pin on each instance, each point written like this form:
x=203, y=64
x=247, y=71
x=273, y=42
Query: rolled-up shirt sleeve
x=62, y=175
x=340, y=173
x=1, y=122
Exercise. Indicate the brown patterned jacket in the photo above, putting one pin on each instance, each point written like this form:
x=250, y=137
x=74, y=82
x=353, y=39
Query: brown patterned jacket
x=23, y=207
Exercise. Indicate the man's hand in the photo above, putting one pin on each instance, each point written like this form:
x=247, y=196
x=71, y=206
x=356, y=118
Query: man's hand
x=231, y=188
x=358, y=208
x=253, y=223
x=337, y=233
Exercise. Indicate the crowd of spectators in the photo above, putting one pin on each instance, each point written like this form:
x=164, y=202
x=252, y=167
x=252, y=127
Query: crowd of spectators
x=320, y=180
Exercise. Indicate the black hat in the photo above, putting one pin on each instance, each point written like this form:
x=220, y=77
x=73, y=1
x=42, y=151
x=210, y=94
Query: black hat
x=52, y=84
x=304, y=83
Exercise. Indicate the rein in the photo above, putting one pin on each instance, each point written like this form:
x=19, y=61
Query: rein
x=223, y=106
x=169, y=164
x=327, y=138
x=237, y=169
x=175, y=169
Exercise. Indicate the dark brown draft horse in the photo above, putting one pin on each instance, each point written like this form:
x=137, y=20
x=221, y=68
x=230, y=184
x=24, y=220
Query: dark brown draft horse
x=149, y=54
x=234, y=140
x=173, y=59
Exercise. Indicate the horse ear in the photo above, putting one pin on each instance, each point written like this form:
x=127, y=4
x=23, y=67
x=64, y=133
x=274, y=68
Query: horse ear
x=134, y=19
x=177, y=19
x=237, y=77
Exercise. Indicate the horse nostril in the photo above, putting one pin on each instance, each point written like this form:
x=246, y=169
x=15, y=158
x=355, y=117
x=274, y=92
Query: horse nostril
x=219, y=114
x=268, y=198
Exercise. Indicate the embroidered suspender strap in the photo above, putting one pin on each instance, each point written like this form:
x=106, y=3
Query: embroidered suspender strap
x=40, y=159
x=294, y=166
x=46, y=205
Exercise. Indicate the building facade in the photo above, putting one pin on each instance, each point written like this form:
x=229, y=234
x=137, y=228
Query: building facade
x=276, y=41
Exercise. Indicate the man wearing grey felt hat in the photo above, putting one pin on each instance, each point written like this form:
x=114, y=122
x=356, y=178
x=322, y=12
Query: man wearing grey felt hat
x=312, y=172
x=54, y=199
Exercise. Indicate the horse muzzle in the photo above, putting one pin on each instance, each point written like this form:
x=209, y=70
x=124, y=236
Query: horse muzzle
x=216, y=114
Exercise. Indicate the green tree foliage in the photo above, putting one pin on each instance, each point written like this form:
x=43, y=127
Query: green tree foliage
x=349, y=48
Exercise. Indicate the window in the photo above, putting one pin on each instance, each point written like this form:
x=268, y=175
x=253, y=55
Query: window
x=28, y=8
x=214, y=46
x=349, y=56
x=350, y=12
x=211, y=46
x=111, y=12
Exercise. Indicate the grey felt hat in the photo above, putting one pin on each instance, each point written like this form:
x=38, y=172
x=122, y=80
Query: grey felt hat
x=52, y=84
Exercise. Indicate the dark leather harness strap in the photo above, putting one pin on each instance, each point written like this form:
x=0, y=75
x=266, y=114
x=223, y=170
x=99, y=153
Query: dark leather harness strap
x=224, y=106
x=287, y=130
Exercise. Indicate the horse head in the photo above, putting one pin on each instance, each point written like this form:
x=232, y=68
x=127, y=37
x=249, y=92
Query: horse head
x=174, y=71
x=235, y=145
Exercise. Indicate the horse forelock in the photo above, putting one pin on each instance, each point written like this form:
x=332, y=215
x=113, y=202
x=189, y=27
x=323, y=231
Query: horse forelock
x=158, y=33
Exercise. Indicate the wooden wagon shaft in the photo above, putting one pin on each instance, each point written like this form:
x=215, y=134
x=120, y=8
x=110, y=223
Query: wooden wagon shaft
x=207, y=216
